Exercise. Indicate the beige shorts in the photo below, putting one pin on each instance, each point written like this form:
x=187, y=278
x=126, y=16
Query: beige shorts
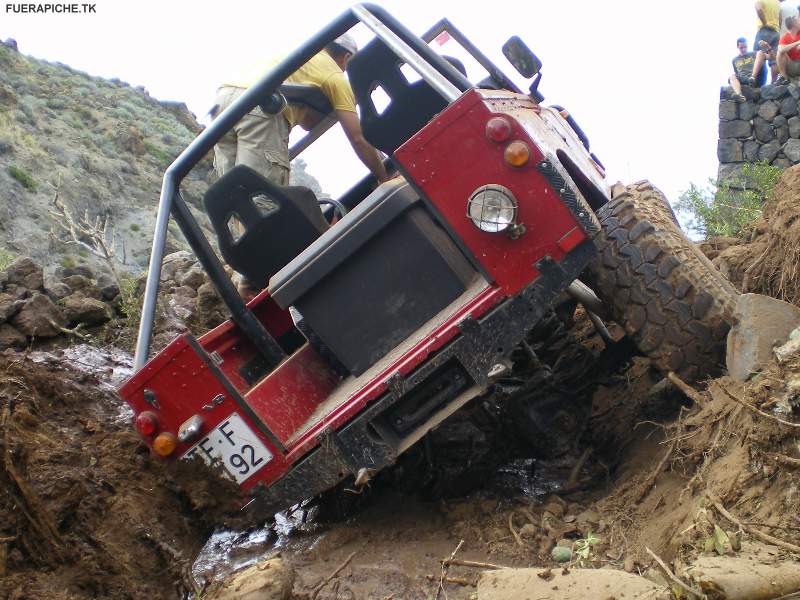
x=259, y=140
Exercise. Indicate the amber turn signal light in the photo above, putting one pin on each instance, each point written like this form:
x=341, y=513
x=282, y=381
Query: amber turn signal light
x=517, y=153
x=165, y=444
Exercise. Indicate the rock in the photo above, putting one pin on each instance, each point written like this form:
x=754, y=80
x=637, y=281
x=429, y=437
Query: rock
x=780, y=121
x=209, y=306
x=742, y=578
x=82, y=284
x=782, y=134
x=747, y=111
x=792, y=150
x=18, y=292
x=729, y=150
x=268, y=580
x=12, y=44
x=750, y=149
x=555, y=508
x=528, y=531
x=794, y=90
x=82, y=270
x=588, y=520
x=728, y=111
x=794, y=127
x=175, y=263
x=763, y=323
x=109, y=289
x=768, y=152
x=184, y=291
x=576, y=584
x=11, y=338
x=25, y=273
x=782, y=163
x=788, y=107
x=734, y=129
x=561, y=554
x=768, y=110
x=9, y=306
x=731, y=174
x=751, y=94
x=88, y=311
x=194, y=278
x=58, y=290
x=773, y=92
x=39, y=317
x=763, y=130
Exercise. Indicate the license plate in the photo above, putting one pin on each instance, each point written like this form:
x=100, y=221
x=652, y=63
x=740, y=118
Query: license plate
x=233, y=444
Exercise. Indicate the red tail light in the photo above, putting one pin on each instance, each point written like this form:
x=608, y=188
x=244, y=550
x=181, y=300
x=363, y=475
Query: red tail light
x=147, y=423
x=498, y=129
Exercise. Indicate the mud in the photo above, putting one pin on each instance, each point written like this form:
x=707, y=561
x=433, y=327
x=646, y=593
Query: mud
x=86, y=512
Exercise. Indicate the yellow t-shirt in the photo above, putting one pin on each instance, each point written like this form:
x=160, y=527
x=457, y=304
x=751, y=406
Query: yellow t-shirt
x=321, y=71
x=772, y=12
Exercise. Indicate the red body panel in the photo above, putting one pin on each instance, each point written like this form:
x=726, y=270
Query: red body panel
x=447, y=160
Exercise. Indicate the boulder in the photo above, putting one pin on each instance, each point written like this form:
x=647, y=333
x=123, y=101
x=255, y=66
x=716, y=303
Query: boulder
x=25, y=273
x=562, y=584
x=57, y=290
x=768, y=152
x=729, y=150
x=750, y=150
x=794, y=90
x=39, y=317
x=176, y=263
x=11, y=338
x=773, y=92
x=782, y=134
x=794, y=127
x=268, y=580
x=78, y=309
x=82, y=270
x=788, y=107
x=763, y=130
x=782, y=162
x=763, y=323
x=209, y=307
x=769, y=110
x=728, y=111
x=82, y=284
x=9, y=306
x=742, y=578
x=109, y=289
x=734, y=129
x=193, y=278
x=792, y=150
x=747, y=111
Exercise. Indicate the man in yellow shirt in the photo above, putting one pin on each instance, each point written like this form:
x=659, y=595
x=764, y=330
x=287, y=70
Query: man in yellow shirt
x=261, y=141
x=767, y=37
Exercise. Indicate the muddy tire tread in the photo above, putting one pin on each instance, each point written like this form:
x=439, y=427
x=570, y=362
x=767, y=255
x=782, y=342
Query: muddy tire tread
x=670, y=299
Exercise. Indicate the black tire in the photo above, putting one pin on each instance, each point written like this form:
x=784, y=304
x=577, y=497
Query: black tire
x=667, y=295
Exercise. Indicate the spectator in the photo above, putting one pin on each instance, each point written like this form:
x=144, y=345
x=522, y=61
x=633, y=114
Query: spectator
x=767, y=37
x=743, y=65
x=787, y=10
x=789, y=50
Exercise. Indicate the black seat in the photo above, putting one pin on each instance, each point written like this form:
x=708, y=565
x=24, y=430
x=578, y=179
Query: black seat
x=412, y=105
x=279, y=222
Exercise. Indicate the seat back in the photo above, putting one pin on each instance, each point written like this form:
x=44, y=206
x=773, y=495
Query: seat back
x=412, y=105
x=277, y=222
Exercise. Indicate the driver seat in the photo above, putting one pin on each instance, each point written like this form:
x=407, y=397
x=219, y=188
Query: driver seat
x=279, y=222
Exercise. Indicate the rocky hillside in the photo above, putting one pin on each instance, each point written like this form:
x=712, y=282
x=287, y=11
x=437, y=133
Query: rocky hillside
x=102, y=147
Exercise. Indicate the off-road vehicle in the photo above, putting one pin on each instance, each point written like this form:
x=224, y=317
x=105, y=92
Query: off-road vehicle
x=372, y=331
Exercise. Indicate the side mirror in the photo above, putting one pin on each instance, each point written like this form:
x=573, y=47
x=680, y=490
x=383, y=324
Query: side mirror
x=524, y=60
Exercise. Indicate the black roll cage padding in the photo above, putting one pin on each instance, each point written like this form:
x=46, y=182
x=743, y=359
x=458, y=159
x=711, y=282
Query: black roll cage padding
x=307, y=95
x=171, y=202
x=483, y=60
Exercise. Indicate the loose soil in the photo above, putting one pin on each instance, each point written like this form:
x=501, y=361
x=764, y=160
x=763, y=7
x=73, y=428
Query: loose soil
x=86, y=512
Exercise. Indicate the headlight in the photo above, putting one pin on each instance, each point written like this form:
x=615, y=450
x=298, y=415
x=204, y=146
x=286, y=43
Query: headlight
x=492, y=208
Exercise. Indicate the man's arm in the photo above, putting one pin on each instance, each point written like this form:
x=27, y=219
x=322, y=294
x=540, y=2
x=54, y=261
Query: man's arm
x=784, y=48
x=760, y=12
x=363, y=149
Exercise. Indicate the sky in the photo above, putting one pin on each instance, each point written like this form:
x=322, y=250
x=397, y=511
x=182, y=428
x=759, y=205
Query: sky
x=641, y=79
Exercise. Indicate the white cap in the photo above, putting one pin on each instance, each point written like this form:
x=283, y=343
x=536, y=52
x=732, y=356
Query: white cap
x=347, y=42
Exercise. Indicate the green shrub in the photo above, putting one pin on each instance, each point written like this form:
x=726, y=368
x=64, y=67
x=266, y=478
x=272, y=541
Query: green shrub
x=6, y=258
x=727, y=209
x=22, y=176
x=68, y=262
x=161, y=155
x=135, y=227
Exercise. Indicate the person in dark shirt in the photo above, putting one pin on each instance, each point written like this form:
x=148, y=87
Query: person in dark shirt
x=743, y=64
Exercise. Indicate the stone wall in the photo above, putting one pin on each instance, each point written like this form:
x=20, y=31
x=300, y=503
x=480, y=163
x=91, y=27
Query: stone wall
x=764, y=128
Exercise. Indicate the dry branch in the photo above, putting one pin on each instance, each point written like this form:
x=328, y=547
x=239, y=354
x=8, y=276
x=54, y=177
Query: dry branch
x=446, y=567
x=471, y=563
x=764, y=537
x=327, y=580
x=687, y=390
x=672, y=577
x=752, y=408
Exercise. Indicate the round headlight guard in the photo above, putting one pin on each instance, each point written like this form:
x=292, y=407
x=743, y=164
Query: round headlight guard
x=492, y=208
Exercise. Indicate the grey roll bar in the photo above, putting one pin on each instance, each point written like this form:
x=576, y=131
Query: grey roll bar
x=443, y=78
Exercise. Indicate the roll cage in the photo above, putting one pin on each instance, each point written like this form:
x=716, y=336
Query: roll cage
x=412, y=50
